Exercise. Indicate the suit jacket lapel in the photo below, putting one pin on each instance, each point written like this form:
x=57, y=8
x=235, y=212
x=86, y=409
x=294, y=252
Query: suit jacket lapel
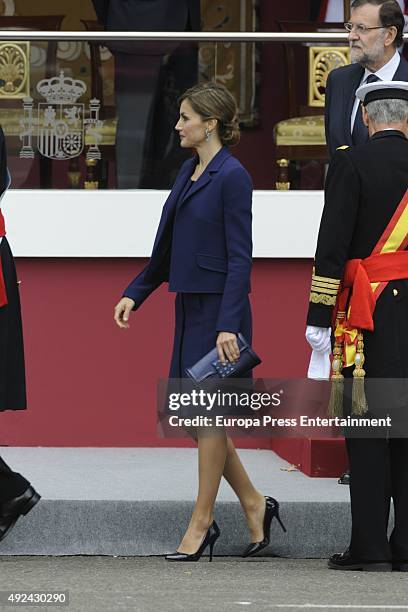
x=401, y=74
x=349, y=96
x=214, y=165
x=197, y=185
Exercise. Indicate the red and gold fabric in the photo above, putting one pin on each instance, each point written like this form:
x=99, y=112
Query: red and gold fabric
x=2, y=225
x=365, y=279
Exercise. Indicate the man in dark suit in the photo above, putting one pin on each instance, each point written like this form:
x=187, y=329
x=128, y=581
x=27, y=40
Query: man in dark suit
x=137, y=72
x=375, y=33
x=363, y=240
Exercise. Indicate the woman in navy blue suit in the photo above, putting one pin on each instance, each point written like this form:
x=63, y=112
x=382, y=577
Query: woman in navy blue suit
x=203, y=248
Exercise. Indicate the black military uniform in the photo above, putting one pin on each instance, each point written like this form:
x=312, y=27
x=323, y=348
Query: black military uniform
x=365, y=185
x=17, y=496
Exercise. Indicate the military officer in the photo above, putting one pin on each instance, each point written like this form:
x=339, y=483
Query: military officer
x=360, y=288
x=17, y=496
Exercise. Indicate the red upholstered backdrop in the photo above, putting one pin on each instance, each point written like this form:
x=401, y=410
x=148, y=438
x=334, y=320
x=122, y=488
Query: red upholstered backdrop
x=92, y=384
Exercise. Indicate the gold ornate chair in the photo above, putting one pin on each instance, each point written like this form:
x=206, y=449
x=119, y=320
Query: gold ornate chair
x=301, y=136
x=15, y=78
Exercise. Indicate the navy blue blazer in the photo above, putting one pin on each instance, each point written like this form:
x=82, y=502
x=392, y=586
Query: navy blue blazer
x=341, y=87
x=204, y=240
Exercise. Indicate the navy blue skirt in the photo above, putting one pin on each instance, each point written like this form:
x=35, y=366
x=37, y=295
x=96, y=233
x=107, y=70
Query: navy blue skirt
x=196, y=329
x=194, y=336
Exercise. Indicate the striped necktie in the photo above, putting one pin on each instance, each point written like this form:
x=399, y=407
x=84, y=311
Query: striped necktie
x=360, y=132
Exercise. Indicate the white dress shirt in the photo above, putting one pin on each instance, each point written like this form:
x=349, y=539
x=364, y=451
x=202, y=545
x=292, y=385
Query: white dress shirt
x=386, y=73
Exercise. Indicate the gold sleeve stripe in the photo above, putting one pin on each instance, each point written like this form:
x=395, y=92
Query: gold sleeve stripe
x=326, y=279
x=321, y=298
x=324, y=290
x=327, y=285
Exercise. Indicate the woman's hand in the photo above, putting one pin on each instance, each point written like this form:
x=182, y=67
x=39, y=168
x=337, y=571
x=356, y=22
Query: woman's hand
x=227, y=347
x=122, y=312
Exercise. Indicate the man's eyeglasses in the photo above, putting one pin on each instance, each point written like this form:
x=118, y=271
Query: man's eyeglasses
x=360, y=28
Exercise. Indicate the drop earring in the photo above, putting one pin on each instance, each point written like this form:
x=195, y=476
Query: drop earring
x=207, y=134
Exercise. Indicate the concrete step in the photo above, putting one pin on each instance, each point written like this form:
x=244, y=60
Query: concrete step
x=138, y=501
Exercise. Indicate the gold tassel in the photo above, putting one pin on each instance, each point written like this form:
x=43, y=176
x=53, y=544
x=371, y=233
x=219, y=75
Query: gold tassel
x=337, y=379
x=359, y=401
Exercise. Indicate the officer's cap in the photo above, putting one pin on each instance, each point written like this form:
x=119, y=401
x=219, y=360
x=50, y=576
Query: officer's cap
x=383, y=90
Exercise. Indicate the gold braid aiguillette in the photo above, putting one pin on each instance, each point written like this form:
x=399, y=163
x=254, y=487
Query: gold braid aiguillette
x=337, y=380
x=359, y=401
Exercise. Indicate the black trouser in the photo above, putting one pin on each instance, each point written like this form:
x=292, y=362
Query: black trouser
x=12, y=373
x=12, y=484
x=379, y=471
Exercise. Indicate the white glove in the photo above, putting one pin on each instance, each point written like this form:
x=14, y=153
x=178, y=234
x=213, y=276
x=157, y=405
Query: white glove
x=319, y=339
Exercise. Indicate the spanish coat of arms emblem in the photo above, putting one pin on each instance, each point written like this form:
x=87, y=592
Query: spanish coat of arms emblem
x=61, y=121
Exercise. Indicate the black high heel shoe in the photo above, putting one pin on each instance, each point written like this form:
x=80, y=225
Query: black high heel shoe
x=210, y=538
x=271, y=510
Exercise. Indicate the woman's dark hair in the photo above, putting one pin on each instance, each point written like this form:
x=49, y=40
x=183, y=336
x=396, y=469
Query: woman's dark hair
x=390, y=15
x=214, y=101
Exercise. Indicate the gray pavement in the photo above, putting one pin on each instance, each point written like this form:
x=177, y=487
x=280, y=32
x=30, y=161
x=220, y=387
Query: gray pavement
x=150, y=584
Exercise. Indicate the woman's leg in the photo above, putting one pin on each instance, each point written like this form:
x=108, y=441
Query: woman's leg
x=252, y=501
x=212, y=452
x=218, y=457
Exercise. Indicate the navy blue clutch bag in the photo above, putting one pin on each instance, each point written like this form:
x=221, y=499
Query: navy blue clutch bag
x=209, y=366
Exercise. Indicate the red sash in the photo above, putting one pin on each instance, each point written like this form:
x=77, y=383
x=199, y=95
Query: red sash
x=2, y=225
x=365, y=279
x=358, y=276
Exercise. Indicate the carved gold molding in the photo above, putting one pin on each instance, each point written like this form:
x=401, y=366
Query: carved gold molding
x=322, y=60
x=14, y=70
